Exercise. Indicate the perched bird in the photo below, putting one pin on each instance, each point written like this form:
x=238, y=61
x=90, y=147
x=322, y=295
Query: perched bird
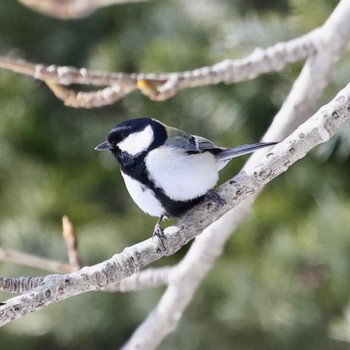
x=168, y=171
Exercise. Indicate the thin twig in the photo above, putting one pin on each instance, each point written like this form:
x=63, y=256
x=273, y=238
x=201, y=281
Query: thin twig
x=26, y=259
x=71, y=240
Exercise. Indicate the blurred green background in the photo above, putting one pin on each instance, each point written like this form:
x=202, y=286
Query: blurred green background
x=283, y=280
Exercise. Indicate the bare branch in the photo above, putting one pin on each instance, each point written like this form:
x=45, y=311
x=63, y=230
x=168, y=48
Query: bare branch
x=316, y=130
x=26, y=259
x=162, y=86
x=190, y=272
x=19, y=285
x=146, y=279
x=92, y=99
x=149, y=278
x=66, y=75
x=208, y=246
x=71, y=9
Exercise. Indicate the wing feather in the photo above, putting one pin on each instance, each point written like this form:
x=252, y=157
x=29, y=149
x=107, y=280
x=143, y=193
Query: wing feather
x=190, y=143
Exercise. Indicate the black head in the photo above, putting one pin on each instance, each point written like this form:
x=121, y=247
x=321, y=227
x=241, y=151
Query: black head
x=134, y=136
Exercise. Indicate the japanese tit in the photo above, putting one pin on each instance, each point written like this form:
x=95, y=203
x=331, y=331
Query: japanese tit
x=168, y=171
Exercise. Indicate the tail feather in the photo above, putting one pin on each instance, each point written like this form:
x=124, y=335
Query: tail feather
x=243, y=149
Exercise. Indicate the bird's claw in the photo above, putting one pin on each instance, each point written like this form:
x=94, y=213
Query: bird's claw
x=216, y=199
x=158, y=232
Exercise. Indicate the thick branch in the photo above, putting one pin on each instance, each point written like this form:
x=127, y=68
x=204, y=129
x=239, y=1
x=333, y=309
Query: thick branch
x=145, y=279
x=316, y=130
x=208, y=246
x=149, y=278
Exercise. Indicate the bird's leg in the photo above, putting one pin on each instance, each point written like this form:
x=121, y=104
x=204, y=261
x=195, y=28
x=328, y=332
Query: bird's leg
x=215, y=198
x=158, y=232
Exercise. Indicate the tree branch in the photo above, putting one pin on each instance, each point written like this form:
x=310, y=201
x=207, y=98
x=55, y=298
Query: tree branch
x=145, y=279
x=149, y=278
x=71, y=240
x=26, y=259
x=71, y=9
x=162, y=86
x=31, y=260
x=208, y=246
x=54, y=288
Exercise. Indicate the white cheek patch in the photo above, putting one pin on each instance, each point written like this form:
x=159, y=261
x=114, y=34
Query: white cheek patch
x=137, y=142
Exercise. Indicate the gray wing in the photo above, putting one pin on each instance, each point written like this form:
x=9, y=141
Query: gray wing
x=198, y=144
x=190, y=143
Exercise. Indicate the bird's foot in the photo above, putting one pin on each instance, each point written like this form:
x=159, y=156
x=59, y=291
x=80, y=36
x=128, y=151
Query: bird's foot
x=216, y=199
x=158, y=232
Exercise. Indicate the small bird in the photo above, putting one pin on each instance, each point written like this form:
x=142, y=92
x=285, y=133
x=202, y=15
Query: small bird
x=168, y=171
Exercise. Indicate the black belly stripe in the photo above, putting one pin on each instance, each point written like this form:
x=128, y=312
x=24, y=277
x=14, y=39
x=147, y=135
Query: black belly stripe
x=175, y=208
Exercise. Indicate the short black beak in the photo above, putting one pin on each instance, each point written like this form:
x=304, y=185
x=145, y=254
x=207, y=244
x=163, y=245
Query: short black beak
x=104, y=146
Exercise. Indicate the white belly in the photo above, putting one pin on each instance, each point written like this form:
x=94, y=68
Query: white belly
x=143, y=197
x=181, y=176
